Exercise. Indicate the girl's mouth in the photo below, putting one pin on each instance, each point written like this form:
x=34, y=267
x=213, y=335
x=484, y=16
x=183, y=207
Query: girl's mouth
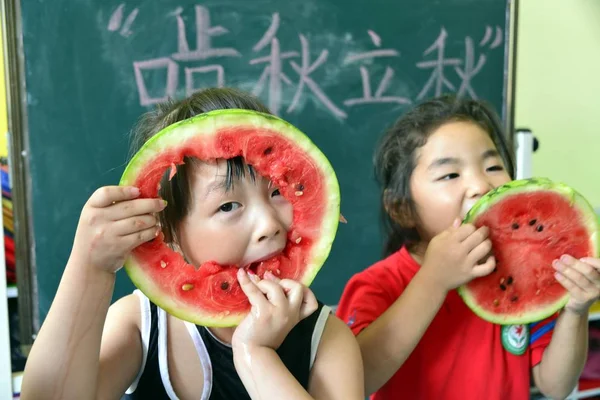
x=253, y=267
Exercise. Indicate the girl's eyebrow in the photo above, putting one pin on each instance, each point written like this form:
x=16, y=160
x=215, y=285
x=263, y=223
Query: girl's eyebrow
x=491, y=153
x=216, y=185
x=440, y=162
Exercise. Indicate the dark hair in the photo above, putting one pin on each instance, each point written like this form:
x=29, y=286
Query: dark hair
x=177, y=191
x=394, y=158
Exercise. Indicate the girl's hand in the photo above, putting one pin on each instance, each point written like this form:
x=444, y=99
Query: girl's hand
x=277, y=306
x=113, y=222
x=458, y=255
x=581, y=278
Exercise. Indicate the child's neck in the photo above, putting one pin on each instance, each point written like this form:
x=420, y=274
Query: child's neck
x=223, y=334
x=417, y=251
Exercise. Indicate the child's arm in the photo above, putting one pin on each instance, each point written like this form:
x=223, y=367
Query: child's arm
x=563, y=360
x=338, y=369
x=389, y=340
x=64, y=360
x=277, y=306
x=451, y=259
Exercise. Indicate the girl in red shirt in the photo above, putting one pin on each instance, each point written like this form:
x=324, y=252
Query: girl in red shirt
x=418, y=338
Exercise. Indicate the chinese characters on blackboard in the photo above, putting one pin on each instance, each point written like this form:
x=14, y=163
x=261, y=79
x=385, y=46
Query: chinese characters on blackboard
x=280, y=65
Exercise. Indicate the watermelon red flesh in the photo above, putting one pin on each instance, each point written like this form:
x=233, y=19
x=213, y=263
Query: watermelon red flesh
x=211, y=295
x=529, y=229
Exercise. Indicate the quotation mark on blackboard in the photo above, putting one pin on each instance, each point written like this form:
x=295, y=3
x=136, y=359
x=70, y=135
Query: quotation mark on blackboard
x=116, y=21
x=488, y=36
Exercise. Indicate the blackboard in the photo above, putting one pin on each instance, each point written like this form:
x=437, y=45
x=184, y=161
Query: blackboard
x=341, y=70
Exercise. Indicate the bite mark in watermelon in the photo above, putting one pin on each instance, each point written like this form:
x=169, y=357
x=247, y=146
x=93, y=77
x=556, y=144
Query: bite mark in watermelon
x=210, y=295
x=532, y=222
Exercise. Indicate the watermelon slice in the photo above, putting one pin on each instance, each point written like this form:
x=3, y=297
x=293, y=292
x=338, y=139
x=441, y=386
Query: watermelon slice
x=532, y=222
x=210, y=295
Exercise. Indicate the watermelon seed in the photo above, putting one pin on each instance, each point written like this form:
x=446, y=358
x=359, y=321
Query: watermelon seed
x=502, y=286
x=299, y=193
x=187, y=286
x=501, y=281
x=509, y=281
x=277, y=272
x=268, y=151
x=540, y=228
x=538, y=292
x=514, y=298
x=298, y=240
x=300, y=187
x=225, y=285
x=532, y=222
x=163, y=264
x=515, y=226
x=496, y=302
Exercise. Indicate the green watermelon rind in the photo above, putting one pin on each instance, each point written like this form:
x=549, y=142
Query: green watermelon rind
x=209, y=123
x=591, y=223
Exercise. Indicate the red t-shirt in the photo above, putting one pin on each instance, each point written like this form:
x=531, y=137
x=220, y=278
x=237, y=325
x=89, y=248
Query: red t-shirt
x=460, y=356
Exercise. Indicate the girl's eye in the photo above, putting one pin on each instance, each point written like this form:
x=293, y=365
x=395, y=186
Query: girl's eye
x=228, y=207
x=496, y=168
x=448, y=177
x=275, y=193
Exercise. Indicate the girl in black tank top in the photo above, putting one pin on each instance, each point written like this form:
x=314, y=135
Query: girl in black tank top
x=218, y=210
x=297, y=353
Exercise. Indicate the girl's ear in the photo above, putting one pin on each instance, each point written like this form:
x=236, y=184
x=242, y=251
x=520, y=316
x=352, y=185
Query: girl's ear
x=399, y=210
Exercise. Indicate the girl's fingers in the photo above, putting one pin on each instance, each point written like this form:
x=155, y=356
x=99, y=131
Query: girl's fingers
x=574, y=290
x=294, y=292
x=464, y=231
x=309, y=303
x=133, y=240
x=484, y=269
x=299, y=297
x=481, y=251
x=135, y=224
x=252, y=291
x=107, y=195
x=274, y=293
x=593, y=262
x=581, y=274
x=476, y=238
x=132, y=208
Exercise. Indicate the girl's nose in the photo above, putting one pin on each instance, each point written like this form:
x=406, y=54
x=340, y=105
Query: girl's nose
x=268, y=225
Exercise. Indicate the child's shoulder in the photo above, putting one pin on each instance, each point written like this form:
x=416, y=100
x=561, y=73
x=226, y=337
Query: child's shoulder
x=398, y=265
x=128, y=310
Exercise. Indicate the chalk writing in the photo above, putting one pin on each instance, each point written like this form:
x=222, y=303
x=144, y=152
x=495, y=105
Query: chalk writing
x=171, y=82
x=203, y=51
x=488, y=35
x=284, y=70
x=470, y=69
x=465, y=69
x=437, y=80
x=204, y=35
x=379, y=96
x=274, y=71
x=116, y=21
x=304, y=72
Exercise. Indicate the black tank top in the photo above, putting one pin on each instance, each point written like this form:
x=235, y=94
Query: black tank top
x=296, y=352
